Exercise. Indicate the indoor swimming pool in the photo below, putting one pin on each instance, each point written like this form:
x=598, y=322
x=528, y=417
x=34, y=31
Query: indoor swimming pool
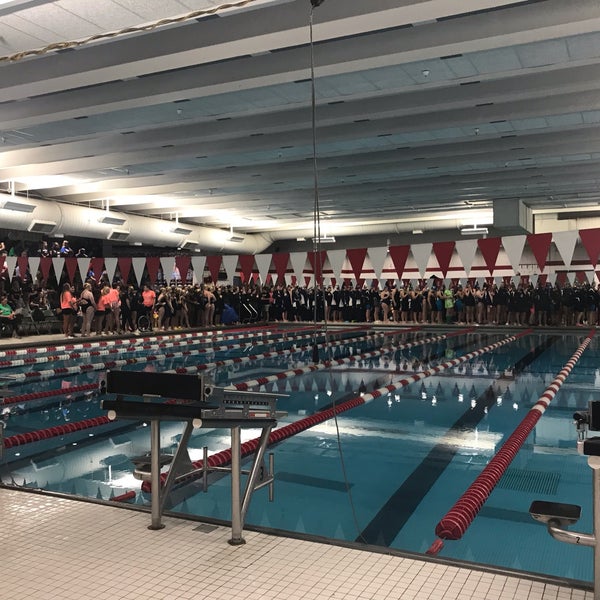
x=383, y=473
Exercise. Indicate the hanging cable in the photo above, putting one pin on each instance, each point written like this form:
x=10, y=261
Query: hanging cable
x=318, y=272
x=127, y=30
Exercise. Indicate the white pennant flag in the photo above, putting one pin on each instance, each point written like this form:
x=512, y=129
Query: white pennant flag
x=421, y=253
x=298, y=262
x=57, y=262
x=337, y=258
x=83, y=264
x=11, y=263
x=378, y=256
x=533, y=279
x=198, y=264
x=167, y=264
x=590, y=276
x=110, y=264
x=466, y=250
x=571, y=277
x=34, y=265
x=229, y=264
x=513, y=246
x=551, y=277
x=263, y=262
x=138, y=263
x=565, y=242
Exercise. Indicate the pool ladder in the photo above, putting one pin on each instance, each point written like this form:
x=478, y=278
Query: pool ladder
x=558, y=516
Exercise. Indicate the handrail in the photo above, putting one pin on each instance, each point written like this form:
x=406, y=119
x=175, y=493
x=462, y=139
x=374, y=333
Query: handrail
x=456, y=521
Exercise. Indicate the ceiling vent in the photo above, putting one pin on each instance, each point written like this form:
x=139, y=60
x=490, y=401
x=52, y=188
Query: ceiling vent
x=18, y=206
x=474, y=230
x=108, y=220
x=181, y=230
x=41, y=226
x=238, y=239
x=189, y=244
x=118, y=235
x=325, y=239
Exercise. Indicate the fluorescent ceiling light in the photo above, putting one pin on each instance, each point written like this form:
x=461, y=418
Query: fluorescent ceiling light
x=324, y=239
x=474, y=230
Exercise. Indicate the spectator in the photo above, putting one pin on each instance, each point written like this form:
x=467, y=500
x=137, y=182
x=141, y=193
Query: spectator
x=9, y=317
x=65, y=249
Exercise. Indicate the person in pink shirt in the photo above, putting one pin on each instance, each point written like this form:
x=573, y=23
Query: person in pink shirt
x=68, y=305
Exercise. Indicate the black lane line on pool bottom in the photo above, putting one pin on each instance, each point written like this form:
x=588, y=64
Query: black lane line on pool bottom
x=393, y=515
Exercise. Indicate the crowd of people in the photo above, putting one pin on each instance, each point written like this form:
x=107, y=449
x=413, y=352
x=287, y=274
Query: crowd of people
x=99, y=308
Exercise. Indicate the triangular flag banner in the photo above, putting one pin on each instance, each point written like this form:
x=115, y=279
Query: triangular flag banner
x=138, y=262
x=590, y=276
x=263, y=262
x=421, y=254
x=336, y=260
x=534, y=279
x=84, y=266
x=198, y=264
x=377, y=256
x=565, y=242
x=11, y=263
x=317, y=261
x=45, y=264
x=71, y=265
x=357, y=256
x=399, y=255
x=58, y=263
x=513, y=246
x=443, y=252
x=153, y=263
x=124, y=263
x=281, y=260
x=543, y=279
x=167, y=264
x=580, y=277
x=246, y=266
x=298, y=260
x=214, y=266
x=571, y=277
x=466, y=250
x=34, y=265
x=111, y=267
x=540, y=246
x=590, y=238
x=182, y=264
x=230, y=262
x=561, y=278
x=489, y=248
x=23, y=263
x=98, y=267
x=551, y=278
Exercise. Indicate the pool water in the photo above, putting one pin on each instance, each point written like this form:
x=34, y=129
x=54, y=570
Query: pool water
x=384, y=473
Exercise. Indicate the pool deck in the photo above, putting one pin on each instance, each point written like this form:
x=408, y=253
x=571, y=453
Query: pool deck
x=55, y=547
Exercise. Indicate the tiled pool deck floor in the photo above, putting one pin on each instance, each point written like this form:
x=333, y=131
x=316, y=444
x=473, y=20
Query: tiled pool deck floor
x=58, y=548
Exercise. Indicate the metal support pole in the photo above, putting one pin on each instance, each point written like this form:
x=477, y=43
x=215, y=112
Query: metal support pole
x=155, y=474
x=236, y=505
x=271, y=476
x=205, y=469
x=594, y=463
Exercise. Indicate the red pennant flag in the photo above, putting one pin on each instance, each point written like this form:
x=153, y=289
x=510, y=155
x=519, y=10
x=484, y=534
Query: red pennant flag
x=183, y=265
x=153, y=264
x=45, y=264
x=280, y=261
x=399, y=255
x=71, y=266
x=443, y=252
x=540, y=246
x=357, y=256
x=98, y=267
x=23, y=263
x=124, y=263
x=561, y=278
x=214, y=266
x=489, y=248
x=317, y=260
x=246, y=264
x=590, y=238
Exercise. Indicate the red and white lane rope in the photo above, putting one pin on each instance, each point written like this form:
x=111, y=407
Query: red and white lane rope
x=59, y=430
x=101, y=366
x=278, y=435
x=456, y=521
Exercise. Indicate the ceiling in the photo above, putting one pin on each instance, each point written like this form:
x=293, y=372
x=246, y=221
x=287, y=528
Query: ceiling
x=426, y=115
